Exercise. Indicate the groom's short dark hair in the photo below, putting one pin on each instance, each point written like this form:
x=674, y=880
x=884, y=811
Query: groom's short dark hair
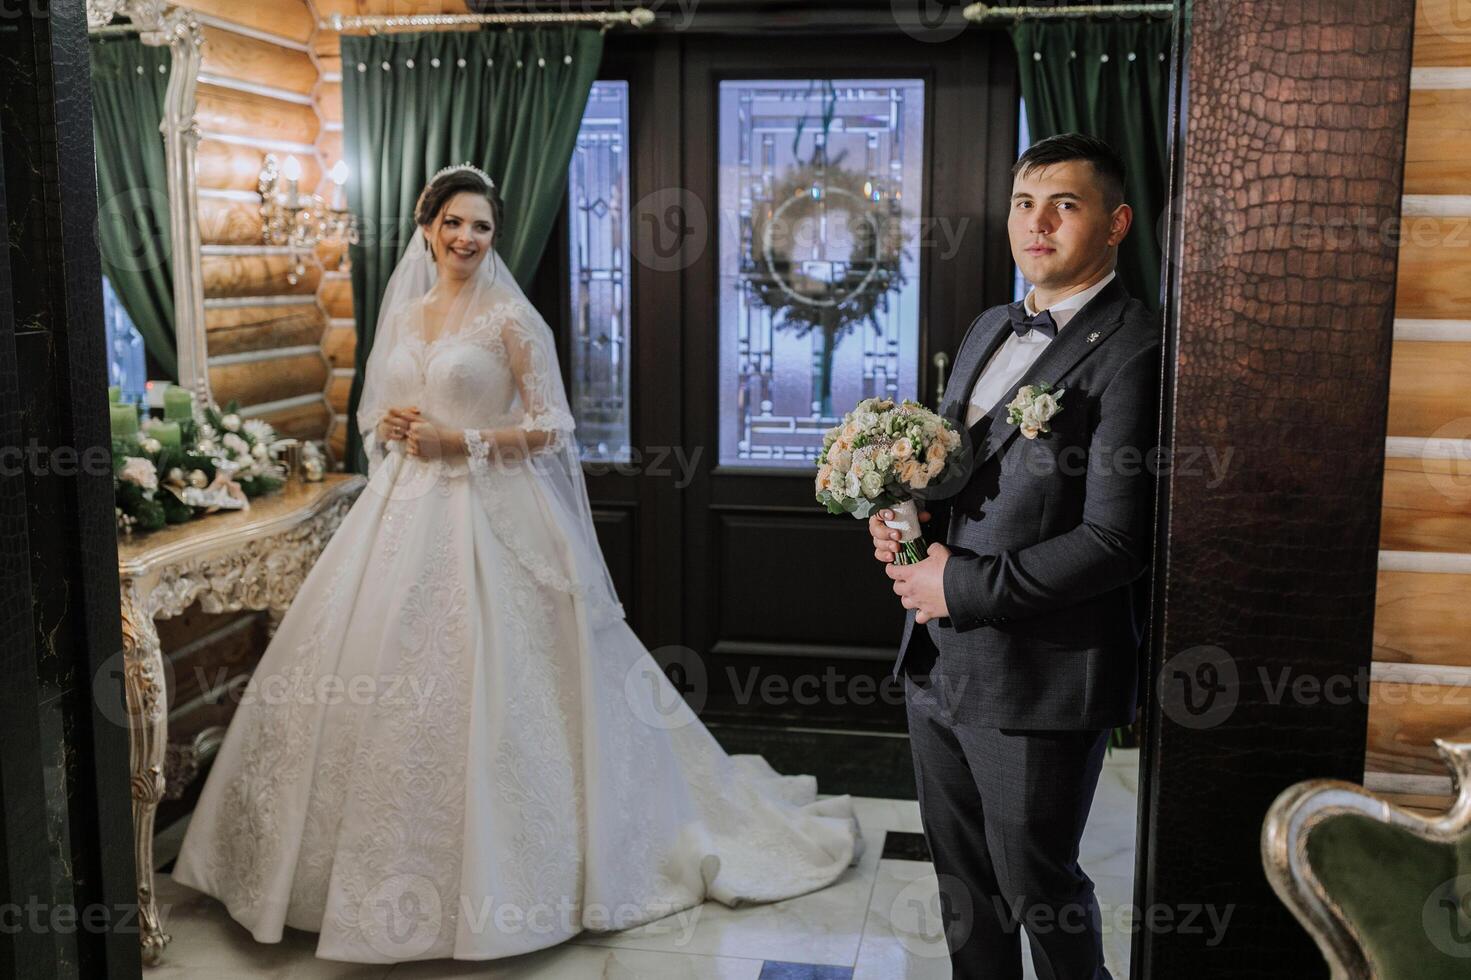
x=1077, y=146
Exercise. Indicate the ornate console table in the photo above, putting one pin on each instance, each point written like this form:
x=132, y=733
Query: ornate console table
x=252, y=559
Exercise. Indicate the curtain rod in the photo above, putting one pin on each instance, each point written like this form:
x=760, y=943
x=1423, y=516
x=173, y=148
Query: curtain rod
x=637, y=17
x=977, y=12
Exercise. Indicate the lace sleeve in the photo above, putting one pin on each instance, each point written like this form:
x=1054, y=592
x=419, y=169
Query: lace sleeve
x=533, y=362
x=376, y=451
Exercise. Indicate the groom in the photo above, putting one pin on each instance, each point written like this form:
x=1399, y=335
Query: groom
x=1021, y=643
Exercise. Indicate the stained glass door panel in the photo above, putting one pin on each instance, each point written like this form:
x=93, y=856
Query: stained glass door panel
x=819, y=187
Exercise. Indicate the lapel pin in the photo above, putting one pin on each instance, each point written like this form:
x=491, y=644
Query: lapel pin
x=1093, y=336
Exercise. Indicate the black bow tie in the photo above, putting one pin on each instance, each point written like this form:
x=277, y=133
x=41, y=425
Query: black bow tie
x=1021, y=323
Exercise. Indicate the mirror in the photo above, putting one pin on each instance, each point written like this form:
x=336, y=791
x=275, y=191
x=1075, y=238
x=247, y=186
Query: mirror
x=145, y=59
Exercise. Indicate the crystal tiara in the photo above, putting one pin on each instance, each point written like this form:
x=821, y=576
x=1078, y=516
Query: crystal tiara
x=465, y=166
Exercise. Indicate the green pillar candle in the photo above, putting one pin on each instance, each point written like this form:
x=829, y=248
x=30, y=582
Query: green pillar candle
x=167, y=433
x=124, y=421
x=115, y=394
x=178, y=404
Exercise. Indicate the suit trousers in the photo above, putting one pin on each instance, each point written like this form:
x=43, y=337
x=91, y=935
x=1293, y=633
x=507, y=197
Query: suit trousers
x=1003, y=813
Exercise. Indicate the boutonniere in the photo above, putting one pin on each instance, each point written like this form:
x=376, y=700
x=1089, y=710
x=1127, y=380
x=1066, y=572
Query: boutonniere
x=1033, y=406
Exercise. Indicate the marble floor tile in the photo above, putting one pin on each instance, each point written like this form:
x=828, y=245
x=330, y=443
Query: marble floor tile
x=902, y=938
x=876, y=814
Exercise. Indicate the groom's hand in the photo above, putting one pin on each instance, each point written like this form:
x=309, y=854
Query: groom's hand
x=921, y=586
x=885, y=538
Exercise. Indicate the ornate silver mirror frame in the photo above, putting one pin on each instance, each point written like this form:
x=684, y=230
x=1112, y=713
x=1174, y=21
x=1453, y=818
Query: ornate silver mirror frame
x=158, y=23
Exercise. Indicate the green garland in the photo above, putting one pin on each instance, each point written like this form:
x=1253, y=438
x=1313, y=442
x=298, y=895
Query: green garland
x=148, y=496
x=874, y=269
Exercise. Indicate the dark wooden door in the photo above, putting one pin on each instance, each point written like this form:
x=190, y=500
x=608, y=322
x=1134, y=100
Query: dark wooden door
x=761, y=606
x=792, y=619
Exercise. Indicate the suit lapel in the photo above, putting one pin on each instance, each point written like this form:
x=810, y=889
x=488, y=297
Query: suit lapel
x=990, y=334
x=1096, y=320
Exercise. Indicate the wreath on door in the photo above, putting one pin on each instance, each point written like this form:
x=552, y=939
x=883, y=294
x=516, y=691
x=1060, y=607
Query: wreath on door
x=828, y=295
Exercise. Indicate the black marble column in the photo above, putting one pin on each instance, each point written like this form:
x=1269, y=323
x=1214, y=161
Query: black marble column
x=66, y=859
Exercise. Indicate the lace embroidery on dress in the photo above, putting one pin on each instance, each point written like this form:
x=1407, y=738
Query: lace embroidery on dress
x=538, y=759
x=271, y=759
x=543, y=402
x=410, y=779
x=477, y=452
x=395, y=519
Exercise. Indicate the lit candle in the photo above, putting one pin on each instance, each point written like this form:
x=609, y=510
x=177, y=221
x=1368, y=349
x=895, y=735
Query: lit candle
x=114, y=393
x=178, y=404
x=339, y=177
x=124, y=421
x=291, y=170
x=167, y=433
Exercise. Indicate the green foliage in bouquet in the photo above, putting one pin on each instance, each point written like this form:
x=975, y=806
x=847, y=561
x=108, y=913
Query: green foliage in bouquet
x=149, y=478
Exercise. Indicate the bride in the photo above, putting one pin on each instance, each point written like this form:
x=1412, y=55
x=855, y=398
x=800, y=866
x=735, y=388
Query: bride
x=454, y=745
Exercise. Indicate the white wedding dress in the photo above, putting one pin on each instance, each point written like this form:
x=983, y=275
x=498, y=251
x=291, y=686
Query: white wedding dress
x=444, y=753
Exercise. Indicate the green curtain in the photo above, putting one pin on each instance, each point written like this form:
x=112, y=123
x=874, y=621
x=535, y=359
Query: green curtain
x=510, y=102
x=1109, y=79
x=129, y=79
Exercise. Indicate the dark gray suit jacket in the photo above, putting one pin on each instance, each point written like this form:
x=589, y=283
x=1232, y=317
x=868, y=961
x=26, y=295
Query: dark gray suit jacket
x=1050, y=537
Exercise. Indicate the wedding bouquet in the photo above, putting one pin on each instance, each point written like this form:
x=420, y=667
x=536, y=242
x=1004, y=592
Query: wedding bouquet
x=884, y=455
x=219, y=463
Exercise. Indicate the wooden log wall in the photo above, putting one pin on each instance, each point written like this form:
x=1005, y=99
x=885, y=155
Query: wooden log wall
x=258, y=94
x=1420, y=686
x=339, y=343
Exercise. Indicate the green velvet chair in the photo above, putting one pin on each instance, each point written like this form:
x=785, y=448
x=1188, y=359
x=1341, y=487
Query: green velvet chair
x=1386, y=893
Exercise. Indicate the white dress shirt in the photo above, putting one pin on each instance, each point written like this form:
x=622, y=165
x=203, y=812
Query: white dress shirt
x=1016, y=354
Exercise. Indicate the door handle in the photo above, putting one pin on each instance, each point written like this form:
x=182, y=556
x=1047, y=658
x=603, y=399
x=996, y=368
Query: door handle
x=941, y=361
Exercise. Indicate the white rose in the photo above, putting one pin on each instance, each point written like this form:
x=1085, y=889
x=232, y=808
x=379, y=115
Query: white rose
x=1046, y=406
x=842, y=459
x=231, y=422
x=260, y=430
x=151, y=445
x=260, y=451
x=872, y=485
x=235, y=444
x=854, y=486
x=138, y=470
x=902, y=448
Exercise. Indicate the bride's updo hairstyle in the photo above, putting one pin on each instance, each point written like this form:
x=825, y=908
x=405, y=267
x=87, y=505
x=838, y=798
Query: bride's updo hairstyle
x=440, y=191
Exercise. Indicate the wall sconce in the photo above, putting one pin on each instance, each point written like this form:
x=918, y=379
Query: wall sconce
x=303, y=221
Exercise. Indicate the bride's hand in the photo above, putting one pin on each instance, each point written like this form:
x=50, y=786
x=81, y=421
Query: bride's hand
x=395, y=423
x=429, y=441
